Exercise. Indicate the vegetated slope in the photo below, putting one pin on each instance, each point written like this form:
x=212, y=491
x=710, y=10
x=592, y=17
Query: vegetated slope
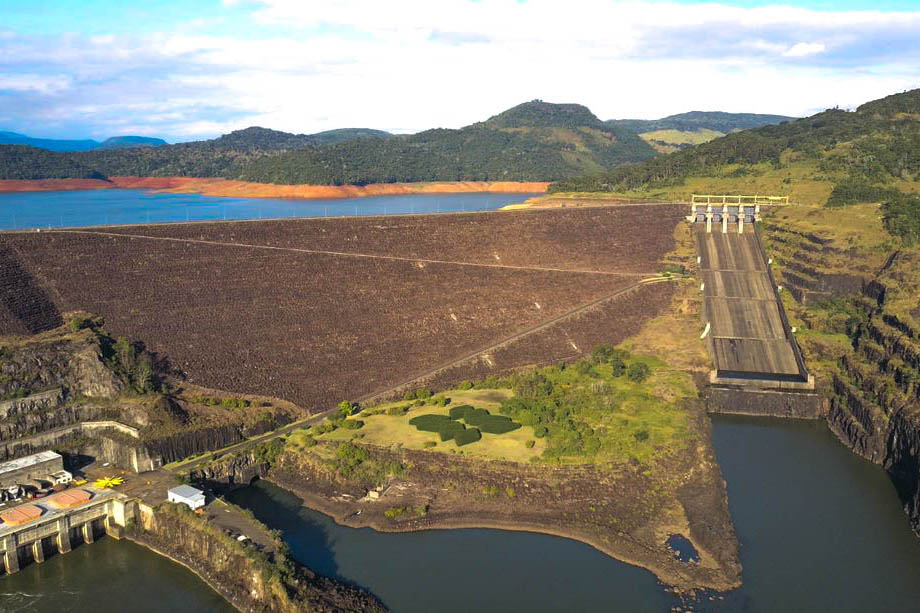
x=316, y=328
x=878, y=144
x=63, y=145
x=19, y=162
x=126, y=142
x=702, y=120
x=531, y=142
x=855, y=299
x=345, y=134
x=535, y=141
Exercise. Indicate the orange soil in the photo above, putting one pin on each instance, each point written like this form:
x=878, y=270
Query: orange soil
x=242, y=189
x=53, y=185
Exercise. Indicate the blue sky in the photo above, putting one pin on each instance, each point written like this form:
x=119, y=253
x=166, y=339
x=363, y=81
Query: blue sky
x=187, y=70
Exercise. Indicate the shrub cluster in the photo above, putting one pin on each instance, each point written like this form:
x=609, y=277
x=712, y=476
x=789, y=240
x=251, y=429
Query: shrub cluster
x=227, y=402
x=419, y=394
x=901, y=217
x=443, y=425
x=467, y=436
x=482, y=419
x=854, y=190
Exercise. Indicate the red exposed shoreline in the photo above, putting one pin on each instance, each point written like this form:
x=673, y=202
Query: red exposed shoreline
x=242, y=189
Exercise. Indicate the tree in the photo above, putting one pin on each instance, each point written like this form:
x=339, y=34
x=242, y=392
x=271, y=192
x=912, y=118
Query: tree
x=637, y=372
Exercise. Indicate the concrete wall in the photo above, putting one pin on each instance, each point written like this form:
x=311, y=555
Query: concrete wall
x=108, y=441
x=770, y=403
x=35, y=402
x=39, y=471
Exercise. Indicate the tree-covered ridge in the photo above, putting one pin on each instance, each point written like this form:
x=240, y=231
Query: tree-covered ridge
x=475, y=153
x=531, y=142
x=25, y=163
x=539, y=114
x=877, y=142
x=63, y=145
x=701, y=120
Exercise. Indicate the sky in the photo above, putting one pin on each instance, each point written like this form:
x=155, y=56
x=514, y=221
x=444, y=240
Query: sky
x=186, y=70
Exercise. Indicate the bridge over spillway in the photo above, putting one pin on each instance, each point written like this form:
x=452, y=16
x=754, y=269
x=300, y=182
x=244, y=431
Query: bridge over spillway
x=749, y=336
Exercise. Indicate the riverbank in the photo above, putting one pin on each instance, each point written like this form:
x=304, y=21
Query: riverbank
x=626, y=512
x=225, y=188
x=252, y=574
x=578, y=200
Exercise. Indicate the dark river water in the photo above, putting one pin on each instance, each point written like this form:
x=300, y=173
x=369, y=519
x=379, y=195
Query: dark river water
x=22, y=210
x=820, y=530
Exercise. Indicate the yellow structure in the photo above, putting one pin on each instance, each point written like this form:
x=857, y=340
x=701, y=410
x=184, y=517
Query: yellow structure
x=736, y=199
x=107, y=482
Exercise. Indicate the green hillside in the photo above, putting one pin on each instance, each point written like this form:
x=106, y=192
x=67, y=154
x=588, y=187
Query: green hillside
x=530, y=142
x=701, y=120
x=878, y=145
x=21, y=162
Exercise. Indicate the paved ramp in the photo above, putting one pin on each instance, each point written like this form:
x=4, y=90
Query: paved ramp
x=749, y=337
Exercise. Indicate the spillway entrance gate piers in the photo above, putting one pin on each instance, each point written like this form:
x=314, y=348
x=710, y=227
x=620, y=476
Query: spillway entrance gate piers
x=758, y=365
x=57, y=522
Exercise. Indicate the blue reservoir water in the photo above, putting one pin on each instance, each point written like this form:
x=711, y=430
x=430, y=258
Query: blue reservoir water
x=24, y=210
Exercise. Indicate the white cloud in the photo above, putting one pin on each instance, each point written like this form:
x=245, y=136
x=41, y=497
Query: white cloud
x=42, y=84
x=804, y=49
x=414, y=64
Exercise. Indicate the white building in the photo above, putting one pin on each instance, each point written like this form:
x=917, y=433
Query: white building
x=61, y=477
x=187, y=495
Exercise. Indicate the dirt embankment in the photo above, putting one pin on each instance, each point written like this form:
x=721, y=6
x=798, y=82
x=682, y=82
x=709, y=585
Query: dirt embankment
x=243, y=189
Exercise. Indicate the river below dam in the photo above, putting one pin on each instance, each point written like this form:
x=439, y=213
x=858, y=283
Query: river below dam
x=29, y=210
x=820, y=529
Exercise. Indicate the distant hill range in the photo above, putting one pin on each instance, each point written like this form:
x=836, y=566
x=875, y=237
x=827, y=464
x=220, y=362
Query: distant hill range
x=533, y=141
x=52, y=144
x=702, y=120
x=835, y=156
x=696, y=127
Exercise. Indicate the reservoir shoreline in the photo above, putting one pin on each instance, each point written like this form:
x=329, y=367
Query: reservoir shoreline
x=225, y=188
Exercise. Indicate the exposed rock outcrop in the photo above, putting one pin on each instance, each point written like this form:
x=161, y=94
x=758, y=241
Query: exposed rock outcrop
x=249, y=579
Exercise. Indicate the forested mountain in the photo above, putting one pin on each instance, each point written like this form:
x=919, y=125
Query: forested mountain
x=694, y=128
x=835, y=157
x=125, y=142
x=880, y=141
x=28, y=163
x=530, y=142
x=52, y=144
x=533, y=141
x=701, y=120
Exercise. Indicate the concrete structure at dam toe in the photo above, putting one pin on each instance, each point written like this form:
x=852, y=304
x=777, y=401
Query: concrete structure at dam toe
x=29, y=530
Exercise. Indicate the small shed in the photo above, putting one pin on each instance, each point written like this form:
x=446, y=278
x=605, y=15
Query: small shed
x=187, y=495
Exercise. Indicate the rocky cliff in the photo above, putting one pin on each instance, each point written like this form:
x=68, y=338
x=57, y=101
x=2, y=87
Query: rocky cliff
x=856, y=303
x=248, y=578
